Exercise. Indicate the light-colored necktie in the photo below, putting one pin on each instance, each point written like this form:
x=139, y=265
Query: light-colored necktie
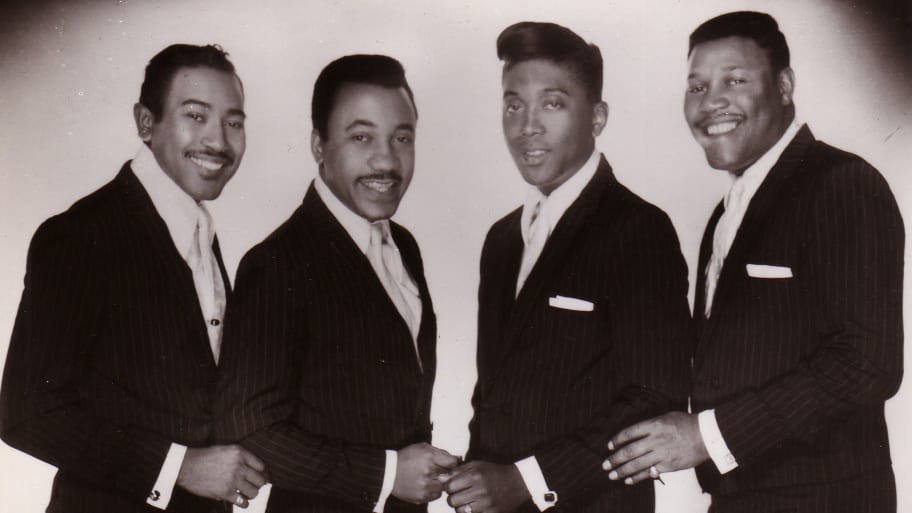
x=534, y=242
x=723, y=237
x=387, y=263
x=207, y=279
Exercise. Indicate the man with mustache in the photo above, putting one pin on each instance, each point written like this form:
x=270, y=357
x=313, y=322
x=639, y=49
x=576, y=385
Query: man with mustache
x=330, y=341
x=111, y=370
x=798, y=303
x=583, y=323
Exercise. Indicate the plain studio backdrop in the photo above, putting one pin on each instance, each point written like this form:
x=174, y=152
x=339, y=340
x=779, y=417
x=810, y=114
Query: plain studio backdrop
x=71, y=71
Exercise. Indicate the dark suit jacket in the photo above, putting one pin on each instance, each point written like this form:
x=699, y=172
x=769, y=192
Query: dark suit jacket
x=557, y=383
x=319, y=369
x=798, y=369
x=109, y=361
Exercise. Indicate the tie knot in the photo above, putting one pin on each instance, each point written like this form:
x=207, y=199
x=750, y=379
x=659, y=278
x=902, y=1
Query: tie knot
x=379, y=233
x=204, y=224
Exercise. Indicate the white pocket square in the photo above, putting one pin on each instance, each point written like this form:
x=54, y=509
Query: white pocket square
x=570, y=303
x=768, y=271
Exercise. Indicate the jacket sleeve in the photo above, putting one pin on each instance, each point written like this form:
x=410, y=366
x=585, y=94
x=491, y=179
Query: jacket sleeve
x=265, y=341
x=42, y=411
x=652, y=338
x=854, y=265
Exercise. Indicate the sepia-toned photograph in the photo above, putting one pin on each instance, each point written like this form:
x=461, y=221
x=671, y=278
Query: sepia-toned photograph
x=482, y=257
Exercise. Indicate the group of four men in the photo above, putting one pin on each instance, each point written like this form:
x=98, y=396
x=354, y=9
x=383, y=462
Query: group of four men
x=132, y=371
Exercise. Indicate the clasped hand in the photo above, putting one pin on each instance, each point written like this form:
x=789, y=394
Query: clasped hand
x=666, y=443
x=223, y=472
x=482, y=487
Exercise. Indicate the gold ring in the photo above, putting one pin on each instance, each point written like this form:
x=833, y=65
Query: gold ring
x=653, y=472
x=239, y=500
x=468, y=508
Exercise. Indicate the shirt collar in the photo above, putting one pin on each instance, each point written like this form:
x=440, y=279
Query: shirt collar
x=555, y=204
x=750, y=180
x=177, y=208
x=357, y=227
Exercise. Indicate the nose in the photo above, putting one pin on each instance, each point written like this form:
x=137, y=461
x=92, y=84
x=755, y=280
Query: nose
x=384, y=158
x=714, y=100
x=531, y=125
x=214, y=136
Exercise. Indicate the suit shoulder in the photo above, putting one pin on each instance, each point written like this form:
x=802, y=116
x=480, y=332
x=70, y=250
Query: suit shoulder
x=285, y=240
x=506, y=223
x=84, y=222
x=840, y=173
x=634, y=209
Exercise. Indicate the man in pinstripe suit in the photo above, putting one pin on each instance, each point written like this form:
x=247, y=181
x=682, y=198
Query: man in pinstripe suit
x=799, y=301
x=330, y=343
x=583, y=323
x=112, y=364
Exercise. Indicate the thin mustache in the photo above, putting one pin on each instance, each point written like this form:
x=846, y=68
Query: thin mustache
x=382, y=176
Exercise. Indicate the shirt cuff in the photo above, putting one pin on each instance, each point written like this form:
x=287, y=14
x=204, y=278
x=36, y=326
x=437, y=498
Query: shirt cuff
x=535, y=482
x=160, y=495
x=715, y=445
x=256, y=504
x=389, y=479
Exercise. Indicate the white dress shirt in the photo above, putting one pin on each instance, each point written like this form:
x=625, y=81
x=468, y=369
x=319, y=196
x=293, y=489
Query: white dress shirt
x=553, y=207
x=744, y=186
x=179, y=211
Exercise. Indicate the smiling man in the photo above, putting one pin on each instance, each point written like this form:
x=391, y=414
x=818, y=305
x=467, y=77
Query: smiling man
x=330, y=340
x=583, y=323
x=798, y=302
x=111, y=371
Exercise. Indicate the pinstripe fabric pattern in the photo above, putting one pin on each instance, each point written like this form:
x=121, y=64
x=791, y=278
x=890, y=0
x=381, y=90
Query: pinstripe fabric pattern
x=109, y=360
x=319, y=370
x=558, y=383
x=798, y=369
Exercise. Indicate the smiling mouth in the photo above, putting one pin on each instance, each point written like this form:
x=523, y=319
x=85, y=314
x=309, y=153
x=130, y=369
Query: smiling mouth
x=532, y=156
x=380, y=184
x=209, y=162
x=721, y=128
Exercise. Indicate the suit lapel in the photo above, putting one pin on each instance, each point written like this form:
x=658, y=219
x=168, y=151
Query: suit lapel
x=752, y=226
x=559, y=244
x=324, y=230
x=143, y=216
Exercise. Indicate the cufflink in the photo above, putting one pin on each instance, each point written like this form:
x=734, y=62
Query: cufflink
x=551, y=497
x=154, y=495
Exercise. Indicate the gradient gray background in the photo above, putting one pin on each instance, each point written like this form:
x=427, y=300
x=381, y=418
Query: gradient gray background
x=70, y=73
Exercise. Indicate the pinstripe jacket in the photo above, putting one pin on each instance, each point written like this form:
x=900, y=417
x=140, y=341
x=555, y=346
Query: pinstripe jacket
x=319, y=369
x=798, y=368
x=558, y=383
x=109, y=361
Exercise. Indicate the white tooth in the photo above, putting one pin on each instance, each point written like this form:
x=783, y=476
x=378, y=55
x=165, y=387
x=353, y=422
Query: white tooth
x=378, y=186
x=208, y=164
x=721, y=128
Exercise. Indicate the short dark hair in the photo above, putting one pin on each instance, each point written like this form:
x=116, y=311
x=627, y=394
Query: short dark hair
x=528, y=40
x=761, y=28
x=378, y=70
x=161, y=70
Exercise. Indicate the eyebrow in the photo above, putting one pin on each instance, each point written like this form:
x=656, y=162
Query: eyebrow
x=200, y=103
x=726, y=69
x=548, y=90
x=370, y=124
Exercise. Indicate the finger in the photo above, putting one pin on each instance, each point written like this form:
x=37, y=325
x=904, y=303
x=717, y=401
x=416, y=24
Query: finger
x=444, y=459
x=634, y=467
x=468, y=496
x=630, y=452
x=240, y=502
x=253, y=462
x=629, y=434
x=458, y=483
x=255, y=478
x=638, y=477
x=246, y=489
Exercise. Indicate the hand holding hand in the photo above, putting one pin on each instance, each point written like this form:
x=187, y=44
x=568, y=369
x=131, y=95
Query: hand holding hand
x=484, y=487
x=223, y=472
x=666, y=443
x=418, y=468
